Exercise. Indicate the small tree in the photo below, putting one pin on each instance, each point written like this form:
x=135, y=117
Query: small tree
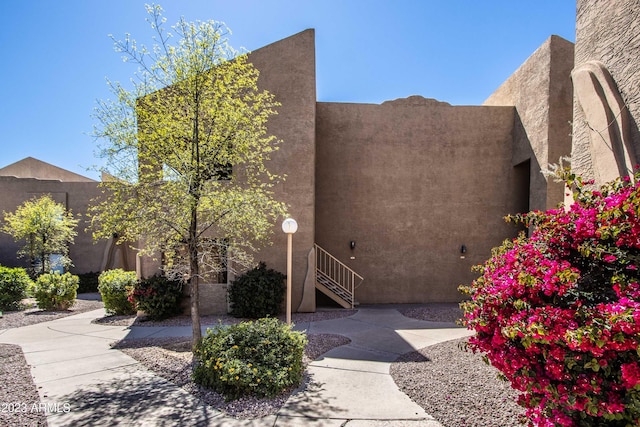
x=188, y=147
x=47, y=228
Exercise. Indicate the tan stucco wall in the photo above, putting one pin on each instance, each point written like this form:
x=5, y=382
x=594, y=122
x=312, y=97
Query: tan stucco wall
x=608, y=31
x=86, y=255
x=287, y=69
x=411, y=181
x=542, y=93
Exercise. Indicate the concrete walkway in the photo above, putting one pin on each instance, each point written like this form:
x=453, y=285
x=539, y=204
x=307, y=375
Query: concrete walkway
x=84, y=382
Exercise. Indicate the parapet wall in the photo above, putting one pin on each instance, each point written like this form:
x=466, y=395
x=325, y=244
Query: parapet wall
x=541, y=92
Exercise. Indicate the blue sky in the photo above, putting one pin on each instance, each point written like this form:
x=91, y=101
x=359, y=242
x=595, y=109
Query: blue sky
x=56, y=55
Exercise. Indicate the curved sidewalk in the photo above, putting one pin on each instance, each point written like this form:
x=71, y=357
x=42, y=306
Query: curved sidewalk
x=84, y=382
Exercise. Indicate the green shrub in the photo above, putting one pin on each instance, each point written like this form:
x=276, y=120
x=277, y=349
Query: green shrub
x=14, y=283
x=257, y=293
x=114, y=287
x=88, y=282
x=158, y=297
x=261, y=358
x=55, y=291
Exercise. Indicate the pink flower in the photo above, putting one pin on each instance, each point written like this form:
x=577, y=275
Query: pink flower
x=558, y=311
x=630, y=375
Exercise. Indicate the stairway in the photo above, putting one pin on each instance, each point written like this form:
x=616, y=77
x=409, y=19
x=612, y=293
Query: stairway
x=335, y=279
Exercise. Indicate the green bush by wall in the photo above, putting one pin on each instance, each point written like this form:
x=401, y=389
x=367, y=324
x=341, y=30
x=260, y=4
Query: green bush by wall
x=114, y=287
x=55, y=291
x=88, y=282
x=158, y=297
x=257, y=293
x=14, y=283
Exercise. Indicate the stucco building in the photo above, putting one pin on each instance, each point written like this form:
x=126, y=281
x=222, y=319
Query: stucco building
x=411, y=193
x=29, y=178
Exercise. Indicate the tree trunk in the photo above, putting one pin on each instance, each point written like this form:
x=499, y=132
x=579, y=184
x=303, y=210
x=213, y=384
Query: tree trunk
x=195, y=309
x=43, y=255
x=194, y=279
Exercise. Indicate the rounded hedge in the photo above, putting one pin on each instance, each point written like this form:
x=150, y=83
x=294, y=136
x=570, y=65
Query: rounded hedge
x=55, y=291
x=14, y=283
x=261, y=358
x=257, y=293
x=159, y=297
x=114, y=287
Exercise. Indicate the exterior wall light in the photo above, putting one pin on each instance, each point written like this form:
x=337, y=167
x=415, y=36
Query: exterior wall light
x=352, y=244
x=289, y=226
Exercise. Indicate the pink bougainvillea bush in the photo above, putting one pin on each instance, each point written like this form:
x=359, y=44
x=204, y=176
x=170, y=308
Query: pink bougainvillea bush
x=558, y=311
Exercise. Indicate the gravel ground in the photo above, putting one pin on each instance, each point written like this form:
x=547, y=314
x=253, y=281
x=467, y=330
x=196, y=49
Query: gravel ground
x=19, y=398
x=436, y=312
x=456, y=387
x=452, y=384
x=32, y=314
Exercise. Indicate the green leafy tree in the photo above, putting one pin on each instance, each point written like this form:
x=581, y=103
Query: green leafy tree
x=47, y=228
x=188, y=147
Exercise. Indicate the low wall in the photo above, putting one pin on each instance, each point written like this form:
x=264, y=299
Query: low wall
x=213, y=299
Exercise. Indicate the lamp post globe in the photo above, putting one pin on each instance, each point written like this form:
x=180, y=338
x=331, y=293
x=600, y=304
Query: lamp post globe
x=289, y=226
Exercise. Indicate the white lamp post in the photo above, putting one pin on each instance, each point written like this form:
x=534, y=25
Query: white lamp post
x=289, y=226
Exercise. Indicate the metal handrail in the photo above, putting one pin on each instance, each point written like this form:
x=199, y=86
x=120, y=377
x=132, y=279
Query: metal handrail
x=339, y=273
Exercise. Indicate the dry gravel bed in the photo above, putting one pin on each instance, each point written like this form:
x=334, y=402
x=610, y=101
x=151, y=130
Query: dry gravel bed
x=32, y=314
x=456, y=387
x=435, y=312
x=451, y=383
x=18, y=393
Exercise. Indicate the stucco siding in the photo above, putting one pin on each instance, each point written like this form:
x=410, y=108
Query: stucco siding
x=287, y=69
x=540, y=90
x=410, y=182
x=608, y=31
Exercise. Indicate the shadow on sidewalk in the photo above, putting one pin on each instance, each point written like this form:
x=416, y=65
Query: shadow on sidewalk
x=138, y=400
